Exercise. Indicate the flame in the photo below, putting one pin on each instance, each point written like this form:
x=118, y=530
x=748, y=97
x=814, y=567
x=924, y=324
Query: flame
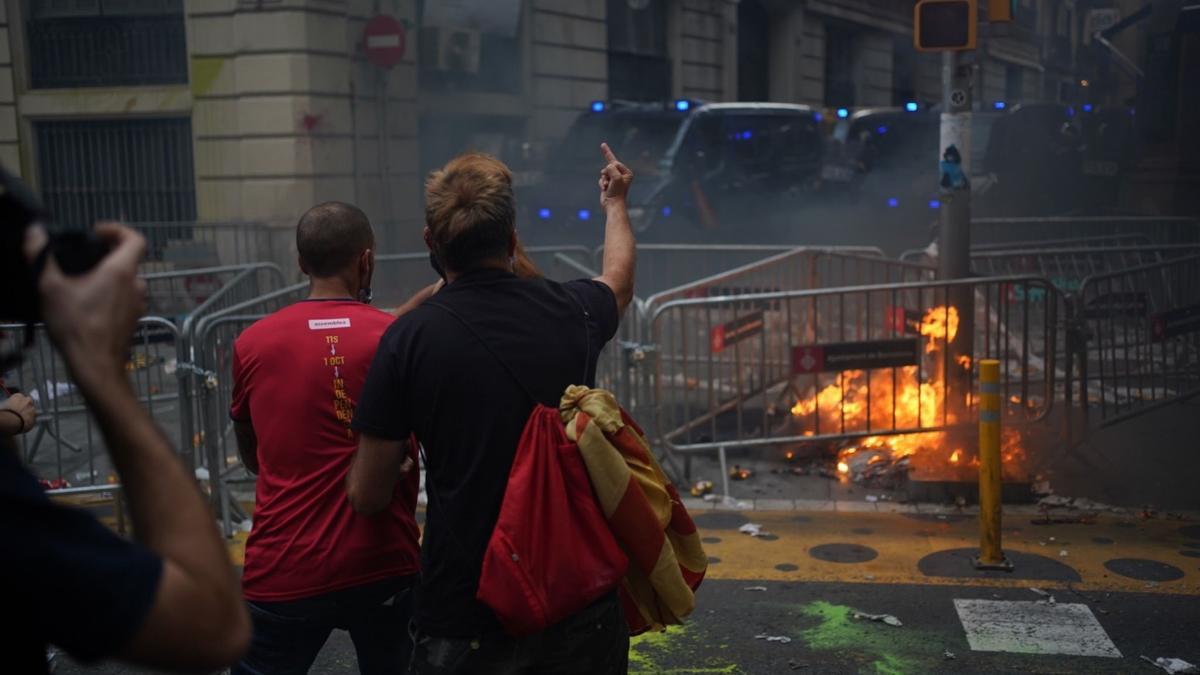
x=939, y=323
x=858, y=401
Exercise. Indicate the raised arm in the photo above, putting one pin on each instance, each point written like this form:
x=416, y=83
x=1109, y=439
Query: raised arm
x=197, y=620
x=619, y=247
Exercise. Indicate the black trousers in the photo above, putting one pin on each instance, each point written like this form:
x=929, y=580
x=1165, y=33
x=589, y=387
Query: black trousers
x=289, y=635
x=593, y=642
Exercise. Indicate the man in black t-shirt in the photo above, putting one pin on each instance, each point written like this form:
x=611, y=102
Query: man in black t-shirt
x=456, y=387
x=170, y=599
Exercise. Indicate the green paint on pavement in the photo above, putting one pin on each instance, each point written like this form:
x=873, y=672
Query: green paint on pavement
x=837, y=630
x=656, y=652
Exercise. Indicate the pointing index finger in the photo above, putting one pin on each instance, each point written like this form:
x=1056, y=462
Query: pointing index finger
x=608, y=153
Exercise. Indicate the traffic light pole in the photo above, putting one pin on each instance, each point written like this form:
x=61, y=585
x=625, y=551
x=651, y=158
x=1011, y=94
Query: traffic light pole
x=954, y=231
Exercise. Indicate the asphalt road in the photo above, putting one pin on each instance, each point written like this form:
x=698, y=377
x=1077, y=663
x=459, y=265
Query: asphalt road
x=1123, y=587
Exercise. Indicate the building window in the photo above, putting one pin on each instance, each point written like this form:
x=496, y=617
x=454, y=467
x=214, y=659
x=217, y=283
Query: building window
x=1014, y=83
x=638, y=67
x=470, y=47
x=839, y=65
x=135, y=170
x=904, y=70
x=106, y=43
x=754, y=38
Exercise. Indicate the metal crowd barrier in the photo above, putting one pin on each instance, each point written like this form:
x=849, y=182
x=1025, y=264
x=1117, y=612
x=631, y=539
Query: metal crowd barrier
x=665, y=266
x=200, y=244
x=1135, y=340
x=1068, y=267
x=1158, y=229
x=918, y=255
x=772, y=369
x=65, y=444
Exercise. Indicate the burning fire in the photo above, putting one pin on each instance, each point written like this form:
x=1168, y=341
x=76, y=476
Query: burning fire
x=939, y=323
x=864, y=401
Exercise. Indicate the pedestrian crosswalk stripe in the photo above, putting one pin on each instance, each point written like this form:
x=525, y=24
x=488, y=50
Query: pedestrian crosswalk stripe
x=1033, y=628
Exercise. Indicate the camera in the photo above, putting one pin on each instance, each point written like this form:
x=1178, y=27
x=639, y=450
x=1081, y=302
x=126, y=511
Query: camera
x=75, y=250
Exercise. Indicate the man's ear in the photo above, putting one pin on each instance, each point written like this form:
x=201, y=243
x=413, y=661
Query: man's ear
x=303, y=269
x=428, y=238
x=512, y=243
x=366, y=261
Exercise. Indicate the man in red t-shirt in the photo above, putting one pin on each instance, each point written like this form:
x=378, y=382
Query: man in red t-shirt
x=312, y=563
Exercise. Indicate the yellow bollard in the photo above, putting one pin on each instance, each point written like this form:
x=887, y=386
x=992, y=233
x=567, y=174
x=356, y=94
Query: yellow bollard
x=991, y=555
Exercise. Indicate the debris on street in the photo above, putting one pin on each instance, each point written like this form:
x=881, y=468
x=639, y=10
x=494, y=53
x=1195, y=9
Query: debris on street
x=1046, y=596
x=781, y=639
x=738, y=473
x=948, y=655
x=1172, y=665
x=882, y=618
x=753, y=529
x=755, y=588
x=701, y=488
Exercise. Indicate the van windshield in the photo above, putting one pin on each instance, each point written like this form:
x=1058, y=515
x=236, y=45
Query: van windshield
x=639, y=140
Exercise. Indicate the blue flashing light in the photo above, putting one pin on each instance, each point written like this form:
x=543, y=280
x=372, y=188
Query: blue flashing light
x=893, y=202
x=881, y=130
x=544, y=214
x=911, y=106
x=746, y=135
x=598, y=106
x=843, y=113
x=935, y=204
x=682, y=105
x=1087, y=107
x=666, y=211
x=1070, y=112
x=584, y=214
x=817, y=117
x=999, y=105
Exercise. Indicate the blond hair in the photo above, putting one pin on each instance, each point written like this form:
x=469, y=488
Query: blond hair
x=470, y=211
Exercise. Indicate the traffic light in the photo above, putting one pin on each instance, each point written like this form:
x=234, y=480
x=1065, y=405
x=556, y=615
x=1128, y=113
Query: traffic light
x=944, y=25
x=1001, y=10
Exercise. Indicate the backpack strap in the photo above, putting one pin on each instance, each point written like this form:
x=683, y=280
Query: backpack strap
x=488, y=347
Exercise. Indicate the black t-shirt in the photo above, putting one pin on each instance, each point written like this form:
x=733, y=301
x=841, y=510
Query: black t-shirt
x=66, y=579
x=432, y=376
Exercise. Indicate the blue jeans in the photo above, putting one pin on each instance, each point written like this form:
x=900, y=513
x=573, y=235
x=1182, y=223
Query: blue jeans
x=595, y=641
x=289, y=635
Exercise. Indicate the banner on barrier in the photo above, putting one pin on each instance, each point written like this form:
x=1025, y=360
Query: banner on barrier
x=903, y=320
x=735, y=331
x=1117, y=304
x=1174, y=322
x=867, y=355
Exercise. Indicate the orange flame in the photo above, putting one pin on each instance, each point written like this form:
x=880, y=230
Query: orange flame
x=939, y=323
x=858, y=401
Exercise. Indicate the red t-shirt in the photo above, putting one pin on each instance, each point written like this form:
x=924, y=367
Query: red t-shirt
x=297, y=376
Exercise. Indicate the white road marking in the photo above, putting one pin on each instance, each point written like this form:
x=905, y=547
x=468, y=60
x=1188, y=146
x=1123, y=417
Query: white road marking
x=1033, y=628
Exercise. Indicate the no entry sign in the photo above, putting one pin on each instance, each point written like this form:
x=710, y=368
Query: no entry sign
x=383, y=39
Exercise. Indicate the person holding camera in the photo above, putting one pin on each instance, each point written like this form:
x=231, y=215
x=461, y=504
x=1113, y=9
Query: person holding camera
x=170, y=598
x=312, y=564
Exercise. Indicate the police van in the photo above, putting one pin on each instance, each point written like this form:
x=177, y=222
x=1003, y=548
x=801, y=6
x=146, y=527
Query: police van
x=729, y=169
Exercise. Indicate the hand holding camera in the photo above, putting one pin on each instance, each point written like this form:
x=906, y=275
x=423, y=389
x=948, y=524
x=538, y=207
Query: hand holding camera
x=90, y=316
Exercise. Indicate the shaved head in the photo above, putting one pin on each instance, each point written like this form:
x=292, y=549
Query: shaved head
x=331, y=236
